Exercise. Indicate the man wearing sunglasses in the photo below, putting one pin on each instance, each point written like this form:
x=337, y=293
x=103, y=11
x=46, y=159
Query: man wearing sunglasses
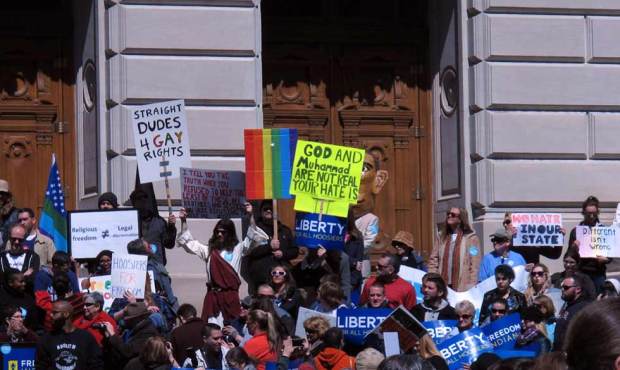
x=504, y=275
x=575, y=299
x=500, y=255
x=16, y=257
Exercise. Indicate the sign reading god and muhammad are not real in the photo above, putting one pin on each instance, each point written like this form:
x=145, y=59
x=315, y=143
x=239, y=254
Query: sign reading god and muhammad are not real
x=160, y=134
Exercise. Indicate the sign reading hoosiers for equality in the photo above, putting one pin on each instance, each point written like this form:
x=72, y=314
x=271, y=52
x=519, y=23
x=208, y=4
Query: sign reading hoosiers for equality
x=325, y=172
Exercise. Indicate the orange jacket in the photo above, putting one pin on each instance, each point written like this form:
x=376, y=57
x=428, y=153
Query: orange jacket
x=258, y=348
x=333, y=359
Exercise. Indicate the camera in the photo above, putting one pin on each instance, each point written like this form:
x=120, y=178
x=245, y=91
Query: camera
x=99, y=326
x=229, y=339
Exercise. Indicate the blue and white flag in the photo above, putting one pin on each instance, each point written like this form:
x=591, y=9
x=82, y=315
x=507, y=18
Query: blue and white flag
x=54, y=217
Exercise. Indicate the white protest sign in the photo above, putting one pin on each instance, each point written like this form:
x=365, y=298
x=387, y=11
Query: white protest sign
x=617, y=216
x=90, y=232
x=537, y=229
x=598, y=241
x=304, y=314
x=160, y=133
x=391, y=343
x=128, y=273
x=103, y=285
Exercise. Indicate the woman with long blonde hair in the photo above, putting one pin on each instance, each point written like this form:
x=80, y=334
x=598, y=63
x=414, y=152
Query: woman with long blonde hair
x=538, y=283
x=457, y=251
x=265, y=343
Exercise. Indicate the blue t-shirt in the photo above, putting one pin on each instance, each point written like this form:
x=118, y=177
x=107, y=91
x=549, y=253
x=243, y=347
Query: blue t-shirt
x=491, y=260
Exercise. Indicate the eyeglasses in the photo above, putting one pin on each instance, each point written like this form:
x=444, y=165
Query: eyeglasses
x=497, y=311
x=465, y=317
x=17, y=317
x=567, y=287
x=221, y=231
x=452, y=214
x=267, y=209
x=499, y=241
x=16, y=240
x=88, y=304
x=278, y=273
x=538, y=273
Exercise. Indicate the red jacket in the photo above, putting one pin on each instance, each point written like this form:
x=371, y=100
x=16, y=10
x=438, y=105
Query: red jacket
x=333, y=359
x=397, y=292
x=258, y=348
x=44, y=301
x=83, y=323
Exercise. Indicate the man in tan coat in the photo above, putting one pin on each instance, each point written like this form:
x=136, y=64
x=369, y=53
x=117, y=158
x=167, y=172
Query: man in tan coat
x=42, y=245
x=457, y=252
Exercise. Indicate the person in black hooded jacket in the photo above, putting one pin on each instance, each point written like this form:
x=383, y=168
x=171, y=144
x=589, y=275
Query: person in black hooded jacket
x=276, y=251
x=13, y=292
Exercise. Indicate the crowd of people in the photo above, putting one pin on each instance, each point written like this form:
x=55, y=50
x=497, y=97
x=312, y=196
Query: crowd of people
x=42, y=302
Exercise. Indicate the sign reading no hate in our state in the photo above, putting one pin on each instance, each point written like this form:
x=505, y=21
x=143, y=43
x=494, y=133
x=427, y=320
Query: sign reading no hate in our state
x=538, y=229
x=90, y=232
x=160, y=132
x=213, y=194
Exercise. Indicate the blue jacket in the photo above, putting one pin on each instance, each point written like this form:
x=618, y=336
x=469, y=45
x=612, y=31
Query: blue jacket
x=491, y=260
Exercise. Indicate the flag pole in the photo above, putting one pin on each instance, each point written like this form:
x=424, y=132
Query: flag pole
x=275, y=219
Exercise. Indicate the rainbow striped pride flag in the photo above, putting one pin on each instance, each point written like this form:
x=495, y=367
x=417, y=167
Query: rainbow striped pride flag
x=269, y=157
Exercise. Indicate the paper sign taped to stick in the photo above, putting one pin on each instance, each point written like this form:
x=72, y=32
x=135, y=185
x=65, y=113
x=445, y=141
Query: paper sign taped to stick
x=128, y=273
x=213, y=194
x=90, y=232
x=326, y=171
x=538, y=229
x=601, y=241
x=310, y=204
x=328, y=232
x=160, y=131
x=306, y=313
x=103, y=285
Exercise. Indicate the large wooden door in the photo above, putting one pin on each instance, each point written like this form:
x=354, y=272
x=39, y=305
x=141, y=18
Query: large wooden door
x=36, y=98
x=355, y=73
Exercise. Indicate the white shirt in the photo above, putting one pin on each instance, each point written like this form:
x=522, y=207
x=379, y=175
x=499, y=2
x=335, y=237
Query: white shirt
x=16, y=262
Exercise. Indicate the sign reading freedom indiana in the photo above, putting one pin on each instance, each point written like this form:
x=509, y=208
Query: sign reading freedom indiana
x=326, y=174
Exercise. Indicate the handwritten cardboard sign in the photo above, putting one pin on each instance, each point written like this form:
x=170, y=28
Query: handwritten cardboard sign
x=128, y=273
x=538, y=229
x=603, y=241
x=328, y=232
x=160, y=132
x=213, y=194
x=90, y=232
x=103, y=285
x=328, y=172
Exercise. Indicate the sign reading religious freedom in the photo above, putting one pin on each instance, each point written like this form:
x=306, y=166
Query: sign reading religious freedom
x=323, y=174
x=356, y=323
x=538, y=229
x=160, y=134
x=128, y=273
x=464, y=348
x=328, y=232
x=90, y=232
x=213, y=194
x=601, y=241
x=503, y=333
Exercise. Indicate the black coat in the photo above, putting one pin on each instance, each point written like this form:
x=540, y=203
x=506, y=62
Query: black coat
x=566, y=314
x=354, y=248
x=188, y=335
x=516, y=303
x=157, y=231
x=261, y=259
x=446, y=313
x=120, y=352
x=24, y=301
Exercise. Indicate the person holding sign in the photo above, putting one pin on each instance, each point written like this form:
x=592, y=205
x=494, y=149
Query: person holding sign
x=465, y=312
x=456, y=254
x=595, y=268
x=274, y=250
x=397, y=290
x=500, y=255
x=529, y=253
x=222, y=256
x=533, y=336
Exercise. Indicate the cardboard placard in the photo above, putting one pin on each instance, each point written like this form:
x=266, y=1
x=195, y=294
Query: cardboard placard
x=160, y=131
x=90, y=232
x=401, y=321
x=304, y=314
x=329, y=232
x=356, y=323
x=213, y=194
x=128, y=273
x=326, y=172
x=537, y=229
x=310, y=204
x=598, y=241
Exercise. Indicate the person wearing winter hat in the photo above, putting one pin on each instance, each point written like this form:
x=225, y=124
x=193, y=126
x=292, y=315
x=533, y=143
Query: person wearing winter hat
x=108, y=201
x=533, y=336
x=368, y=359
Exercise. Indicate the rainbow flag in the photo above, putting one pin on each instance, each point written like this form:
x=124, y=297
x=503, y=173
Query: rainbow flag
x=269, y=157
